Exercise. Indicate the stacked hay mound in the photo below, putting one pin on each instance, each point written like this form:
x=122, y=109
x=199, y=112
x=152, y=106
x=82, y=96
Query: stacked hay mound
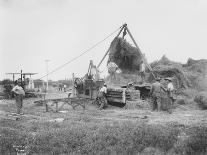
x=166, y=68
x=127, y=57
x=197, y=73
x=189, y=75
x=193, y=74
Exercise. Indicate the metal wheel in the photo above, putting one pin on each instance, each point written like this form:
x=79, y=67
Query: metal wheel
x=102, y=101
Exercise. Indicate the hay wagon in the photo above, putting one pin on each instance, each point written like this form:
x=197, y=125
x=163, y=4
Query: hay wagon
x=86, y=93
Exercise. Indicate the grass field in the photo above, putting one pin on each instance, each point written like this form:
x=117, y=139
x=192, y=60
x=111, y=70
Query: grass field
x=111, y=131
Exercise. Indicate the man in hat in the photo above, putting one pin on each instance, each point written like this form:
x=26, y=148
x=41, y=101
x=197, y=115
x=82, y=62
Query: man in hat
x=155, y=92
x=102, y=96
x=169, y=90
x=142, y=71
x=112, y=68
x=19, y=94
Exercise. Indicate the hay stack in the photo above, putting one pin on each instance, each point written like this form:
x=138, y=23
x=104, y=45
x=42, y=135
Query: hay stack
x=127, y=57
x=186, y=75
x=201, y=99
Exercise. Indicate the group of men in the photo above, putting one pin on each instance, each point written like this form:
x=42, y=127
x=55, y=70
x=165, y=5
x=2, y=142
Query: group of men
x=156, y=92
x=62, y=87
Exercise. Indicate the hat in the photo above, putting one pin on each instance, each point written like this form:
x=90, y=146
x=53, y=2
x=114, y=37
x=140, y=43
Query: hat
x=130, y=84
x=158, y=79
x=169, y=79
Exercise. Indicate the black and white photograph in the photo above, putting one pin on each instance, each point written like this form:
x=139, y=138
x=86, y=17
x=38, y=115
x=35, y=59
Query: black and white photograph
x=103, y=77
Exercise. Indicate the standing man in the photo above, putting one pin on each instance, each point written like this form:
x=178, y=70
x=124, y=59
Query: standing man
x=155, y=92
x=19, y=94
x=102, y=97
x=65, y=87
x=112, y=68
x=170, y=89
x=142, y=71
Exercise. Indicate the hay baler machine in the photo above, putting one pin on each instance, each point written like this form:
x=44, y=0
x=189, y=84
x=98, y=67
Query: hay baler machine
x=88, y=87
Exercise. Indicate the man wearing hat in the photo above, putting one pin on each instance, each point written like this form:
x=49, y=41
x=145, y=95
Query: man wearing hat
x=19, y=94
x=102, y=96
x=155, y=92
x=170, y=89
x=142, y=71
x=112, y=68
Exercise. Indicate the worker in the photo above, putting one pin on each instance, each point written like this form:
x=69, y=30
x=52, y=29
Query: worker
x=64, y=87
x=142, y=71
x=155, y=92
x=102, y=97
x=169, y=90
x=112, y=68
x=19, y=94
x=60, y=86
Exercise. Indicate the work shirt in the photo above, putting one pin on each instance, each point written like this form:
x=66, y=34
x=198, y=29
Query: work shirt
x=103, y=89
x=142, y=67
x=18, y=90
x=112, y=67
x=170, y=87
x=156, y=89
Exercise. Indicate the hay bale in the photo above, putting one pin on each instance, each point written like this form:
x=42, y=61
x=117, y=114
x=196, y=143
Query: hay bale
x=201, y=99
x=134, y=94
x=127, y=57
x=180, y=101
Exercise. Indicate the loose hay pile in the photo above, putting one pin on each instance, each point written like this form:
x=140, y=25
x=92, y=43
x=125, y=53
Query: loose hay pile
x=201, y=99
x=189, y=75
x=127, y=57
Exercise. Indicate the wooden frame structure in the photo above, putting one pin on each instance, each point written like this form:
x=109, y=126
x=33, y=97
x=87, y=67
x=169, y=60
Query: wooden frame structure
x=125, y=30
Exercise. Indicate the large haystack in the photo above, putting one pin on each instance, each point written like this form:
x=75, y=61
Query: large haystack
x=192, y=74
x=127, y=57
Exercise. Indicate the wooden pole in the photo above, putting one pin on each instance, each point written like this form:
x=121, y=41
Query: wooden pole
x=73, y=89
x=145, y=61
x=13, y=78
x=21, y=76
x=122, y=27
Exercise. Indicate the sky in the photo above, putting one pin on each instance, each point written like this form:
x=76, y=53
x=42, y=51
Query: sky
x=32, y=31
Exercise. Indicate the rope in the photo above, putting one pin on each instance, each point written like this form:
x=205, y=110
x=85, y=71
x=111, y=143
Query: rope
x=75, y=58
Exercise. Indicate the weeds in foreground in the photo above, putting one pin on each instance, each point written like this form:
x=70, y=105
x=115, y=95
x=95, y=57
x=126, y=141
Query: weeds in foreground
x=107, y=138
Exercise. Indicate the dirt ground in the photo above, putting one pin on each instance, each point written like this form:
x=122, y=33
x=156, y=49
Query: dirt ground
x=75, y=123
x=184, y=114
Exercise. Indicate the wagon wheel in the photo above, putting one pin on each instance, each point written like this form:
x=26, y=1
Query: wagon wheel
x=96, y=102
x=69, y=94
x=102, y=100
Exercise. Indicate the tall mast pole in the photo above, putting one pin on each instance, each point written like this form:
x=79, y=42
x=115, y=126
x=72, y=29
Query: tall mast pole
x=144, y=59
x=122, y=27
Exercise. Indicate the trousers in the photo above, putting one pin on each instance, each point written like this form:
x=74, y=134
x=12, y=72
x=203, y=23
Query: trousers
x=156, y=103
x=19, y=103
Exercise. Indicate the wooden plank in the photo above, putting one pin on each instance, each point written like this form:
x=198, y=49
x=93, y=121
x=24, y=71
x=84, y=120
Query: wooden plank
x=115, y=100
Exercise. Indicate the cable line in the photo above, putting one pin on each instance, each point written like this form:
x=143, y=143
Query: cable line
x=56, y=69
